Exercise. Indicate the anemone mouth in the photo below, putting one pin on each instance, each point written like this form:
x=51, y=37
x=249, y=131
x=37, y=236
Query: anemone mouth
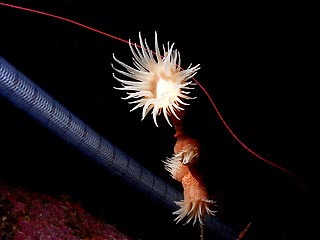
x=156, y=83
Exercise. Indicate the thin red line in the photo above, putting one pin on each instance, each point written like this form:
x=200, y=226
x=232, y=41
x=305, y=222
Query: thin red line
x=66, y=20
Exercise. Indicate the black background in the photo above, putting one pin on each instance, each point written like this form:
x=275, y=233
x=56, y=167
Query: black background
x=257, y=64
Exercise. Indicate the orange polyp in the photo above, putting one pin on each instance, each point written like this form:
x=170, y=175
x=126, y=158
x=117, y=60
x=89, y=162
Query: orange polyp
x=189, y=146
x=195, y=205
x=193, y=187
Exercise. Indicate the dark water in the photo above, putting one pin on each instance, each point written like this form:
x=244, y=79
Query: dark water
x=255, y=63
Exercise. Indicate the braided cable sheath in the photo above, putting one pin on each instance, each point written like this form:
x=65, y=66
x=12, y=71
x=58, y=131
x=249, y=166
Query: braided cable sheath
x=30, y=98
